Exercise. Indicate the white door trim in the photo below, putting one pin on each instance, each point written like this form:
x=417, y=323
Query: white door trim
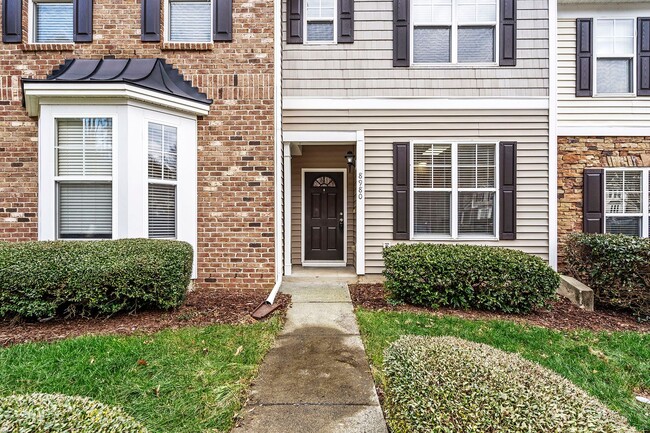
x=344, y=262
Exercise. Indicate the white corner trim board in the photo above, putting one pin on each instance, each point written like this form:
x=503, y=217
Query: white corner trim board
x=79, y=91
x=541, y=103
x=552, y=140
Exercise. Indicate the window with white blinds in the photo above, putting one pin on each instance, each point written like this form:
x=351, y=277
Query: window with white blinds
x=454, y=31
x=84, y=164
x=320, y=20
x=53, y=22
x=626, y=201
x=190, y=20
x=454, y=189
x=615, y=52
x=162, y=168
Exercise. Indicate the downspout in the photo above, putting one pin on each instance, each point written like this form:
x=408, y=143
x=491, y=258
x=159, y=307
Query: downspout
x=266, y=307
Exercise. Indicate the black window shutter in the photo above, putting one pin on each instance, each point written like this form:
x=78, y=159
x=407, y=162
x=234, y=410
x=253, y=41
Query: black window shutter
x=12, y=21
x=222, y=20
x=401, y=181
x=83, y=20
x=346, y=21
x=401, y=31
x=593, y=206
x=508, y=190
x=294, y=21
x=150, y=21
x=584, y=57
x=508, y=27
x=643, y=85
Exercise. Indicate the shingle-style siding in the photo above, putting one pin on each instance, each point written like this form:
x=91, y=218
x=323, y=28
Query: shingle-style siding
x=365, y=67
x=591, y=111
x=235, y=141
x=315, y=156
x=528, y=127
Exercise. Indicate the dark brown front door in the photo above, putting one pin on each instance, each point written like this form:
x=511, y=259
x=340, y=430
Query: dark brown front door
x=324, y=224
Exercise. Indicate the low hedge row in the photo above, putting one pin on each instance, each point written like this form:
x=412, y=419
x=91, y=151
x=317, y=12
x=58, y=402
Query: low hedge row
x=46, y=279
x=448, y=385
x=616, y=267
x=44, y=413
x=468, y=276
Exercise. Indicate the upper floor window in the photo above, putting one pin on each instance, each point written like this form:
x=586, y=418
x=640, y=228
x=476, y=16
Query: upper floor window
x=52, y=21
x=454, y=31
x=627, y=201
x=615, y=52
x=454, y=191
x=320, y=22
x=189, y=20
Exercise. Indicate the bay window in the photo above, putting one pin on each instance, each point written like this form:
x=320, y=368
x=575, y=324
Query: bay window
x=615, y=52
x=162, y=159
x=627, y=201
x=454, y=31
x=454, y=190
x=84, y=166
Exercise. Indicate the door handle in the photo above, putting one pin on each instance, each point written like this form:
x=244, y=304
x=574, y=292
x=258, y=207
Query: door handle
x=341, y=223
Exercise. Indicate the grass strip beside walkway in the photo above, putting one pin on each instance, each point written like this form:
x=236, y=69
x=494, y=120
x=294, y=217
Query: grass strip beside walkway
x=610, y=366
x=185, y=380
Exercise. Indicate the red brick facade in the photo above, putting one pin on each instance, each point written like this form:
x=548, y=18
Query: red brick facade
x=577, y=153
x=235, y=141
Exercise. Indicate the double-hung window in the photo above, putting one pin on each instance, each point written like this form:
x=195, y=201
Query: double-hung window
x=162, y=169
x=320, y=22
x=454, y=190
x=189, y=20
x=454, y=31
x=615, y=52
x=84, y=168
x=52, y=21
x=626, y=201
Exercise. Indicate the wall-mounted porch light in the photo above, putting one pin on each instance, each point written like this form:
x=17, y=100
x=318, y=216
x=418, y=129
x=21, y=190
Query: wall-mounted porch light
x=351, y=159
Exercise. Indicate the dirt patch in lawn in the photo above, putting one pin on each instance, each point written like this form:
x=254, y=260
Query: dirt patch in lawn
x=562, y=315
x=202, y=308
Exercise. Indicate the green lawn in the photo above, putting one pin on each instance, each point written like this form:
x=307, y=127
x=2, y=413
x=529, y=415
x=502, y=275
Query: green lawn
x=607, y=365
x=187, y=380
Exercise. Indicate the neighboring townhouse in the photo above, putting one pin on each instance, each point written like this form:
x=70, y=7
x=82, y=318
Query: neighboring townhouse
x=142, y=118
x=603, y=117
x=441, y=108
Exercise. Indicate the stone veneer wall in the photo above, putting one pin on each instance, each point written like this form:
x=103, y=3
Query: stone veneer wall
x=235, y=141
x=577, y=153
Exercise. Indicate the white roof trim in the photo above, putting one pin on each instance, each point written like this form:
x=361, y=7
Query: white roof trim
x=541, y=103
x=35, y=91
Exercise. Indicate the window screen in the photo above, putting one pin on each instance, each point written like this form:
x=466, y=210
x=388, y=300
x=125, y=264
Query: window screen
x=190, y=21
x=53, y=22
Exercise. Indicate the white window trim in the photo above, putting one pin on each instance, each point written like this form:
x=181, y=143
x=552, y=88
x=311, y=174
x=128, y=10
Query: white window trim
x=334, y=26
x=150, y=181
x=31, y=22
x=168, y=26
x=645, y=199
x=633, y=58
x=454, y=194
x=454, y=40
x=129, y=174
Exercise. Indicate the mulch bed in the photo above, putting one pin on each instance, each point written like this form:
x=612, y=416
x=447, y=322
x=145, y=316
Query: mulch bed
x=562, y=315
x=201, y=308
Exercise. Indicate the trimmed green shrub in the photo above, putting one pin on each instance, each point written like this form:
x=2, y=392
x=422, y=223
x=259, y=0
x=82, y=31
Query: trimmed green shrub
x=56, y=413
x=616, y=267
x=46, y=279
x=445, y=384
x=468, y=276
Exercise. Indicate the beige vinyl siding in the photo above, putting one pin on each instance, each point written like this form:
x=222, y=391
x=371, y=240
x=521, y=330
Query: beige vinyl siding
x=381, y=128
x=596, y=111
x=365, y=67
x=325, y=157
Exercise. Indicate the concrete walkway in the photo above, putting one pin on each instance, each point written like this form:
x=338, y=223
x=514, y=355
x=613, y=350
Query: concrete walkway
x=316, y=378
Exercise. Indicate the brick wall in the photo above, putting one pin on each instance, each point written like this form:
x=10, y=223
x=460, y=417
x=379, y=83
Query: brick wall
x=577, y=153
x=235, y=141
